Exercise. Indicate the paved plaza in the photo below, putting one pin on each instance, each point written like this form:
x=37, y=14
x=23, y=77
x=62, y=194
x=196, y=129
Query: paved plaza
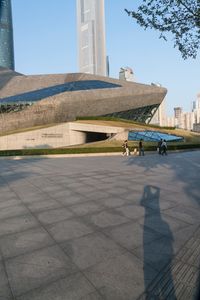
x=91, y=228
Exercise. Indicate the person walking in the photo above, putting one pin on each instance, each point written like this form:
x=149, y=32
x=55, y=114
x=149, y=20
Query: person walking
x=126, y=150
x=164, y=148
x=141, y=148
x=159, y=146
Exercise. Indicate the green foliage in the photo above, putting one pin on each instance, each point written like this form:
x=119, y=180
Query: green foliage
x=179, y=17
x=148, y=147
x=123, y=120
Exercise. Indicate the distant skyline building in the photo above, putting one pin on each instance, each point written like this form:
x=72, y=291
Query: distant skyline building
x=6, y=35
x=186, y=120
x=91, y=37
x=126, y=73
x=177, y=112
x=160, y=117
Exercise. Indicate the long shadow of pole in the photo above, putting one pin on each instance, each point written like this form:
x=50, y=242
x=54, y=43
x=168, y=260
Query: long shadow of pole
x=162, y=286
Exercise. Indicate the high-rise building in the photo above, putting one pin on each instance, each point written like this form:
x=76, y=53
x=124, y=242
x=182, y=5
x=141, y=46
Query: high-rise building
x=6, y=35
x=91, y=37
x=177, y=112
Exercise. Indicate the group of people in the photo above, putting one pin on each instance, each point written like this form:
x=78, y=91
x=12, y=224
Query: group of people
x=126, y=150
x=162, y=148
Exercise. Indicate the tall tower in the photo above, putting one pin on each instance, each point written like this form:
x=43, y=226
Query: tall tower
x=6, y=35
x=91, y=37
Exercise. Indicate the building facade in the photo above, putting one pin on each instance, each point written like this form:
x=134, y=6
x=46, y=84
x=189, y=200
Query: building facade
x=126, y=74
x=159, y=117
x=91, y=37
x=186, y=120
x=34, y=100
x=6, y=35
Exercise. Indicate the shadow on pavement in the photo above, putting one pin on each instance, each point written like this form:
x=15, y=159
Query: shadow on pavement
x=151, y=253
x=184, y=170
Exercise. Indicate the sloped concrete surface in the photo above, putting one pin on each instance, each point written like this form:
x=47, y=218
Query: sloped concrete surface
x=91, y=228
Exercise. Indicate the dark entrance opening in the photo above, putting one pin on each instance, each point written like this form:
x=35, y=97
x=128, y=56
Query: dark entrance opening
x=95, y=136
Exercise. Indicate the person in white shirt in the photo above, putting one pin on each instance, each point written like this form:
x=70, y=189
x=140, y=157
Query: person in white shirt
x=164, y=148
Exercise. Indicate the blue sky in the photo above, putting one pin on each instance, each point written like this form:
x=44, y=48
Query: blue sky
x=45, y=40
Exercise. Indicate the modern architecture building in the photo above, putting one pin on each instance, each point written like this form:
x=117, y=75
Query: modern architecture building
x=6, y=35
x=91, y=37
x=48, y=99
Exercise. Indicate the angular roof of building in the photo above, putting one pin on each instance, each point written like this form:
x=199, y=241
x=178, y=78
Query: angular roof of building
x=46, y=99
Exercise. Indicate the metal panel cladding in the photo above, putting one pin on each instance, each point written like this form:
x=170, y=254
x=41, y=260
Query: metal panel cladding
x=6, y=35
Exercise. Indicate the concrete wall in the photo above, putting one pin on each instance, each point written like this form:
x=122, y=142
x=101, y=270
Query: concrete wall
x=62, y=135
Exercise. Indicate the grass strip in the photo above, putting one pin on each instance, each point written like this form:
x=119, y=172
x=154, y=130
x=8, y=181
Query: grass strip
x=24, y=152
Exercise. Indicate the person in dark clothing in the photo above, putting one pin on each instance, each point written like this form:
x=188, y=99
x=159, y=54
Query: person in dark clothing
x=159, y=146
x=141, y=148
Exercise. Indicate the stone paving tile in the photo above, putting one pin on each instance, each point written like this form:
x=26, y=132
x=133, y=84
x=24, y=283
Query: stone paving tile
x=43, y=205
x=131, y=235
x=164, y=203
x=105, y=219
x=106, y=194
x=185, y=200
x=181, y=236
x=91, y=249
x=190, y=253
x=180, y=279
x=69, y=229
x=35, y=197
x=186, y=214
x=156, y=253
x=25, y=192
x=74, y=287
x=133, y=196
x=54, y=215
x=26, y=241
x=16, y=224
x=9, y=202
x=117, y=190
x=100, y=186
x=115, y=279
x=61, y=193
x=7, y=195
x=30, y=271
x=97, y=195
x=85, y=189
x=73, y=199
x=133, y=211
x=92, y=296
x=82, y=209
x=112, y=201
x=163, y=224
x=5, y=292
x=12, y=211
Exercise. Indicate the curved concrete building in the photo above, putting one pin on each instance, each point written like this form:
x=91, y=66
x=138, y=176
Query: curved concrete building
x=27, y=101
x=6, y=35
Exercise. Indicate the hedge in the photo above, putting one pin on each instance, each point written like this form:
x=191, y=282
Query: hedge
x=24, y=152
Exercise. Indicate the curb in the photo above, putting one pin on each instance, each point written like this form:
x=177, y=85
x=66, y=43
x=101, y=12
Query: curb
x=20, y=157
